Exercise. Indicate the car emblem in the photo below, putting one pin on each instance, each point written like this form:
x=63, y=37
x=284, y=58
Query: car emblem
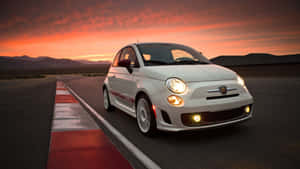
x=223, y=89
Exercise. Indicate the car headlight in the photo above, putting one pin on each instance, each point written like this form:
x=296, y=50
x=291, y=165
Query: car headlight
x=241, y=81
x=176, y=85
x=175, y=100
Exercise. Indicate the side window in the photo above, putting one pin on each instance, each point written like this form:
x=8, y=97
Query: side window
x=124, y=55
x=129, y=54
x=116, y=59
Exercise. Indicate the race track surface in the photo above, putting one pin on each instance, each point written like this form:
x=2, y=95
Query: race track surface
x=26, y=108
x=270, y=140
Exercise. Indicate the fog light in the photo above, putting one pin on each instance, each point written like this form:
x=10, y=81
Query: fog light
x=247, y=109
x=197, y=118
x=175, y=100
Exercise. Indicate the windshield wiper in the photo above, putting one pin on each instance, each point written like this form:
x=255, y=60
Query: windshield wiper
x=187, y=62
x=158, y=62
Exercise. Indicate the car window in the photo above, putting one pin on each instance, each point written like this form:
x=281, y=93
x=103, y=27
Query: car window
x=116, y=59
x=179, y=54
x=129, y=54
x=170, y=54
x=147, y=56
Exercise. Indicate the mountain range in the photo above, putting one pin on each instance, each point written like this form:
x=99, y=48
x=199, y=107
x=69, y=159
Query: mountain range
x=42, y=62
x=45, y=62
x=256, y=59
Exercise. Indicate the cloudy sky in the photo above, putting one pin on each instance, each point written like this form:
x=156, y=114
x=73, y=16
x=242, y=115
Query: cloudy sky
x=96, y=29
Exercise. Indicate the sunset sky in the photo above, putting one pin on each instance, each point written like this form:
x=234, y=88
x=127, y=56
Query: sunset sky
x=96, y=29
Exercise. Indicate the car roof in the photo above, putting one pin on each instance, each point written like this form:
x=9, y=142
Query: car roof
x=149, y=43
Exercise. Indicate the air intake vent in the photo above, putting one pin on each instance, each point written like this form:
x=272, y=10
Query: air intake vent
x=166, y=117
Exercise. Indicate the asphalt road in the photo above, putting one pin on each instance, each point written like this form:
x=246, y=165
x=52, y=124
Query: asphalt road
x=270, y=140
x=26, y=108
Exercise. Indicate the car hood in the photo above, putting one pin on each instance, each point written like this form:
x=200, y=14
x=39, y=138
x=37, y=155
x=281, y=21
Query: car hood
x=190, y=73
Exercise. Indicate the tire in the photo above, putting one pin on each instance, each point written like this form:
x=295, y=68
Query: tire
x=145, y=116
x=106, y=101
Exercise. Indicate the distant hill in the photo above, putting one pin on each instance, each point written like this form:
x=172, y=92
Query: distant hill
x=42, y=62
x=251, y=64
x=256, y=59
x=93, y=62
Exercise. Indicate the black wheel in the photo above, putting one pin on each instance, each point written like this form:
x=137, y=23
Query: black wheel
x=145, y=116
x=106, y=102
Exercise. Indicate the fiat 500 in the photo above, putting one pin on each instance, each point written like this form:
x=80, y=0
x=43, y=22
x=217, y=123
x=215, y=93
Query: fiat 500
x=173, y=87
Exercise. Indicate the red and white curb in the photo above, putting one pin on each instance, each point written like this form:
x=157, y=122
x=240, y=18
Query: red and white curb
x=68, y=113
x=76, y=140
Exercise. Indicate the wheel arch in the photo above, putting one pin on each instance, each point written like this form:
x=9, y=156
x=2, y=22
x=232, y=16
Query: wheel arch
x=153, y=123
x=104, y=86
x=139, y=94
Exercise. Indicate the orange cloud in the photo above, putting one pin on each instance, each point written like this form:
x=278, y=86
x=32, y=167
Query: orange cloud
x=81, y=28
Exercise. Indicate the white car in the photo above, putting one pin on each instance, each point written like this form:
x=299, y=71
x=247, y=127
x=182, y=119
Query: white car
x=172, y=87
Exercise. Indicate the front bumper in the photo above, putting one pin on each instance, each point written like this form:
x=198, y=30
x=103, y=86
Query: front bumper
x=176, y=122
x=173, y=128
x=198, y=100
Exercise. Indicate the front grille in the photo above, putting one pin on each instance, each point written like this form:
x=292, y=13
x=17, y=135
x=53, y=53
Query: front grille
x=221, y=97
x=213, y=117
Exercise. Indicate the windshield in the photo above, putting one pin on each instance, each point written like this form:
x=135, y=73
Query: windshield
x=170, y=54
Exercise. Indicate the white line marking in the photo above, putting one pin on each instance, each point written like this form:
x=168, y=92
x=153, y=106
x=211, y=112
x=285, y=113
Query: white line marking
x=62, y=92
x=131, y=147
x=72, y=116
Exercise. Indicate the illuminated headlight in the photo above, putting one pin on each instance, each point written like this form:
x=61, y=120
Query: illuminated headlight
x=241, y=81
x=175, y=100
x=247, y=109
x=176, y=85
x=197, y=118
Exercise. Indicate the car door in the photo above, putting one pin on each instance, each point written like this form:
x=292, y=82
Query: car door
x=125, y=84
x=111, y=76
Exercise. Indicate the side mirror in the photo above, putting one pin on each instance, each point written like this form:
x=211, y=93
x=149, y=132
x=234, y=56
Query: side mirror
x=126, y=63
